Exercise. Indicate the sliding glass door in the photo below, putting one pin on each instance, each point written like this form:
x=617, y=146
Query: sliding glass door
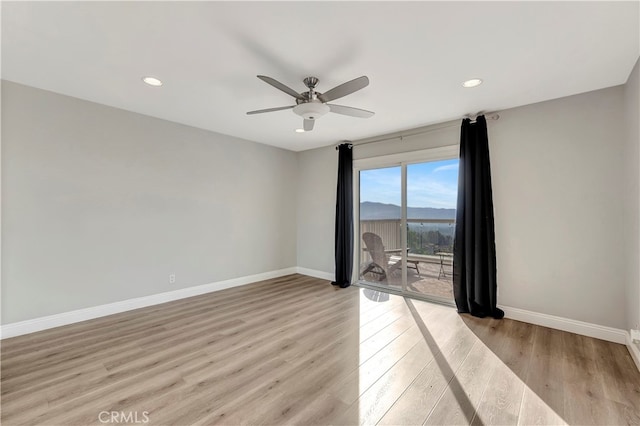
x=406, y=227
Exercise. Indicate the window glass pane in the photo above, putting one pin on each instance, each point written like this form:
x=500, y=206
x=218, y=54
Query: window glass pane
x=432, y=190
x=380, y=231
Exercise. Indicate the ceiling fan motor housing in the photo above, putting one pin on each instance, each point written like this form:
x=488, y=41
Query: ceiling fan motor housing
x=311, y=110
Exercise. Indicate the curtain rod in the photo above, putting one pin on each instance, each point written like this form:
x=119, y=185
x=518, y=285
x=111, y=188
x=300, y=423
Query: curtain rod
x=488, y=116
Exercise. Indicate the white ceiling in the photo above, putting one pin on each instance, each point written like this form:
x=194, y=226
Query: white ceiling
x=416, y=54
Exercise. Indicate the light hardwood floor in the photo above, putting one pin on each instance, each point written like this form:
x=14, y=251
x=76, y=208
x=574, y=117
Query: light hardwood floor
x=296, y=350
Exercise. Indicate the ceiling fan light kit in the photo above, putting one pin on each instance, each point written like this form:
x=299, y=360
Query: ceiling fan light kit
x=312, y=105
x=311, y=110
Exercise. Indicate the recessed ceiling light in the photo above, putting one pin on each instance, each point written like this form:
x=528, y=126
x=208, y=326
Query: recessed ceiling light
x=299, y=130
x=152, y=81
x=472, y=83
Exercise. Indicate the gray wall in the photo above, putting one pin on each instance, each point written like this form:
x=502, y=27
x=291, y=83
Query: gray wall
x=631, y=187
x=101, y=205
x=316, y=208
x=558, y=200
x=558, y=204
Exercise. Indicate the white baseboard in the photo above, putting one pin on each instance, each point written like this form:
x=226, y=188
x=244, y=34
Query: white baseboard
x=65, y=318
x=315, y=273
x=579, y=327
x=633, y=350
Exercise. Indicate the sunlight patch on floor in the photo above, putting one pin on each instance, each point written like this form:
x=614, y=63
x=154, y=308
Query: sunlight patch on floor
x=412, y=374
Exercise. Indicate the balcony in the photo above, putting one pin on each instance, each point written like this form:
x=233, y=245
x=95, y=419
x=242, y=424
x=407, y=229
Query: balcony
x=429, y=255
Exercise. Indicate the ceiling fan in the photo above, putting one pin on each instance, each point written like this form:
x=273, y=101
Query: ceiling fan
x=312, y=105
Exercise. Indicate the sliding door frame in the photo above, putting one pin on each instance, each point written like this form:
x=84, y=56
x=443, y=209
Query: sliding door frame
x=401, y=160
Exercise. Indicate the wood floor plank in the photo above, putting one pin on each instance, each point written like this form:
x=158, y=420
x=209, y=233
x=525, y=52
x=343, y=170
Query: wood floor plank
x=621, y=391
x=70, y=391
x=584, y=400
x=27, y=378
x=312, y=377
x=430, y=384
x=297, y=350
x=502, y=399
x=124, y=395
x=354, y=384
x=320, y=411
x=377, y=399
x=543, y=400
x=463, y=392
x=201, y=398
x=311, y=370
x=377, y=324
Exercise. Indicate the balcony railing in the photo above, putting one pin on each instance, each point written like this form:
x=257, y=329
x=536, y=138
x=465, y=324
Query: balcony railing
x=424, y=236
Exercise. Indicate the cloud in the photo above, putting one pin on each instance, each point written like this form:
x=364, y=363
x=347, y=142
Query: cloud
x=430, y=193
x=445, y=168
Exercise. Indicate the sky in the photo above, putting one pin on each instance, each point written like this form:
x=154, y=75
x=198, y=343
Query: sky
x=432, y=184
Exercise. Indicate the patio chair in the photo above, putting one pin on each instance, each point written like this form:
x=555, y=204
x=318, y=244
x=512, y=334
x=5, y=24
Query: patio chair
x=381, y=263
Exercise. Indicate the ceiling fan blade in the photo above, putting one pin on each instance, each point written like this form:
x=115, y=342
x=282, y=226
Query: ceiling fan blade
x=308, y=125
x=350, y=111
x=260, y=111
x=345, y=89
x=278, y=85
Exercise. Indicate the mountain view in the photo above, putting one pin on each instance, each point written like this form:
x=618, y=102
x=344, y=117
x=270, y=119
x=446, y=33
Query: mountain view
x=374, y=211
x=431, y=193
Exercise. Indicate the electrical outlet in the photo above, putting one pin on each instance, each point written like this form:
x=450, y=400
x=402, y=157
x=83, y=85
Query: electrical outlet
x=172, y=278
x=635, y=335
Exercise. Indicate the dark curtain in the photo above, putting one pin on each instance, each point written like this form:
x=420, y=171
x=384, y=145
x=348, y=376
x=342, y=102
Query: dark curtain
x=344, y=217
x=474, y=257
